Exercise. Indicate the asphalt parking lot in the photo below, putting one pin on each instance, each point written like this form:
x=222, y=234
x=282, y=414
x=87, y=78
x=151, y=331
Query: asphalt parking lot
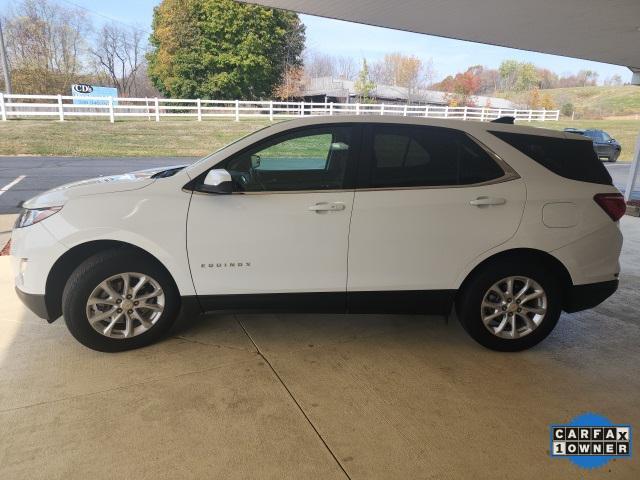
x=43, y=173
x=314, y=396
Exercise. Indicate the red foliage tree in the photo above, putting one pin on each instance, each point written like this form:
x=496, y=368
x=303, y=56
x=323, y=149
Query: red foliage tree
x=462, y=86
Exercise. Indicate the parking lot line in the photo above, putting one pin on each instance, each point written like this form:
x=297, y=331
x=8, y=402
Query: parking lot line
x=11, y=184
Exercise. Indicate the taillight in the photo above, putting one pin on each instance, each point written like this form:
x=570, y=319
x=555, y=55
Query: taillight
x=612, y=203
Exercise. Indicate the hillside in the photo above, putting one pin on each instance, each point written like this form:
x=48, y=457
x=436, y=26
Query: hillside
x=590, y=102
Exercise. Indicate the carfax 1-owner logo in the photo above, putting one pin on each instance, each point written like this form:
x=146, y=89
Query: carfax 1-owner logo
x=591, y=440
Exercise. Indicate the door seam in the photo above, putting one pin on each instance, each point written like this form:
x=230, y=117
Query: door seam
x=346, y=286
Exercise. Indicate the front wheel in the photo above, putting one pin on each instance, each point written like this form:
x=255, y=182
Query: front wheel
x=510, y=306
x=119, y=300
x=614, y=157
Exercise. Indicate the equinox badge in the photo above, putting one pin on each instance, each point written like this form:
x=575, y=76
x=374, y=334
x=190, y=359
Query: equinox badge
x=225, y=265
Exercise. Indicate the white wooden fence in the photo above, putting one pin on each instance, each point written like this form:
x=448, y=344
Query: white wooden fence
x=62, y=107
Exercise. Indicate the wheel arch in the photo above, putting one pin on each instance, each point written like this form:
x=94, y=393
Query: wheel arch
x=69, y=261
x=525, y=254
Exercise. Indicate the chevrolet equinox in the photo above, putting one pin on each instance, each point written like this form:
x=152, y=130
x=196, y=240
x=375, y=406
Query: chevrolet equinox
x=506, y=224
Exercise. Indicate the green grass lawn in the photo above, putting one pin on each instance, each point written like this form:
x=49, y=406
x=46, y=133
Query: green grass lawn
x=135, y=138
x=189, y=137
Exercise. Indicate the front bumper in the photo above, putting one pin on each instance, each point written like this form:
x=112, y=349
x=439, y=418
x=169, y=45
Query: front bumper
x=34, y=251
x=36, y=303
x=583, y=297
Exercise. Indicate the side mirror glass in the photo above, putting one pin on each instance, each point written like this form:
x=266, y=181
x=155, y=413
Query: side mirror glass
x=217, y=181
x=255, y=161
x=339, y=147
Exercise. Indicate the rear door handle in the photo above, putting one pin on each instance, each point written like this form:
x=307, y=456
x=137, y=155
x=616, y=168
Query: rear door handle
x=327, y=207
x=481, y=201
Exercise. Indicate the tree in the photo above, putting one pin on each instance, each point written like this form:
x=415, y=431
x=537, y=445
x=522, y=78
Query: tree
x=364, y=86
x=489, y=80
x=319, y=65
x=518, y=76
x=222, y=48
x=546, y=78
x=46, y=45
x=346, y=68
x=614, y=80
x=547, y=102
x=587, y=78
x=461, y=87
x=534, y=101
x=583, y=78
x=429, y=72
x=119, y=53
x=567, y=109
x=406, y=71
x=508, y=73
x=292, y=84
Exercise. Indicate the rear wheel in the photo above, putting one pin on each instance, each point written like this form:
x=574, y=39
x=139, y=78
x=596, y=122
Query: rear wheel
x=119, y=300
x=510, y=305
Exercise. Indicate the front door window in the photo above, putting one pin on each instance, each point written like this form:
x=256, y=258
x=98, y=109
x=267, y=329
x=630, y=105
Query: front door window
x=309, y=159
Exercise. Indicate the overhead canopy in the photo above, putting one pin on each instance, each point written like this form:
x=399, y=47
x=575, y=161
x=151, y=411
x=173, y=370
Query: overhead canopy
x=601, y=30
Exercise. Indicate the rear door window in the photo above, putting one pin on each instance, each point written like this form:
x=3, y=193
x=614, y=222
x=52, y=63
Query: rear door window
x=414, y=156
x=570, y=158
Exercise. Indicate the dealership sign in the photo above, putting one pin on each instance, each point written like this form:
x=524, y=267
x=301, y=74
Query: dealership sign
x=84, y=94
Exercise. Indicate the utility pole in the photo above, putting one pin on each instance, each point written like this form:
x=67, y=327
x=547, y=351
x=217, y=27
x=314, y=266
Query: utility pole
x=5, y=63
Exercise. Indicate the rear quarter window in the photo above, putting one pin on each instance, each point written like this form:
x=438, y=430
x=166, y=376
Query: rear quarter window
x=569, y=158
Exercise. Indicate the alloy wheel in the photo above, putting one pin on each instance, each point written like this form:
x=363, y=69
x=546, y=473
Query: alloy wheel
x=125, y=305
x=514, y=307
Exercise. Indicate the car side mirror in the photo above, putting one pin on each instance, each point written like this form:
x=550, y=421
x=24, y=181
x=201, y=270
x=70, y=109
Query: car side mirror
x=219, y=181
x=255, y=161
x=339, y=147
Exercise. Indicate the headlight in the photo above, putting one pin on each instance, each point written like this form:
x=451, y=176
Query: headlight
x=30, y=216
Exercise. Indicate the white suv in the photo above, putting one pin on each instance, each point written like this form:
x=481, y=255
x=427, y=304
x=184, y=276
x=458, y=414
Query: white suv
x=509, y=224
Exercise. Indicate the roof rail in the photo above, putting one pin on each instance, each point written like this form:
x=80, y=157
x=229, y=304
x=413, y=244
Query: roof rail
x=508, y=120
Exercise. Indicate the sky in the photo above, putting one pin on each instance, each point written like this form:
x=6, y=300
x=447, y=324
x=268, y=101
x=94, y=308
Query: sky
x=362, y=41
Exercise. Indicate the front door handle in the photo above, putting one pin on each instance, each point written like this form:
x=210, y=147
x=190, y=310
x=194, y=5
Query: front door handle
x=481, y=201
x=327, y=207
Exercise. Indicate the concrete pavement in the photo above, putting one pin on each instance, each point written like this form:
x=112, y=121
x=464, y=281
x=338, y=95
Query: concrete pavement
x=619, y=173
x=314, y=396
x=6, y=225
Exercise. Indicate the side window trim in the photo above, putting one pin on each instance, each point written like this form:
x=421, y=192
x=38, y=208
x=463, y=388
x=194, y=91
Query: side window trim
x=366, y=157
x=365, y=163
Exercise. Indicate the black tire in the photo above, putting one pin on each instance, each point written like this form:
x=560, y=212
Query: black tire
x=96, y=269
x=614, y=158
x=469, y=301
